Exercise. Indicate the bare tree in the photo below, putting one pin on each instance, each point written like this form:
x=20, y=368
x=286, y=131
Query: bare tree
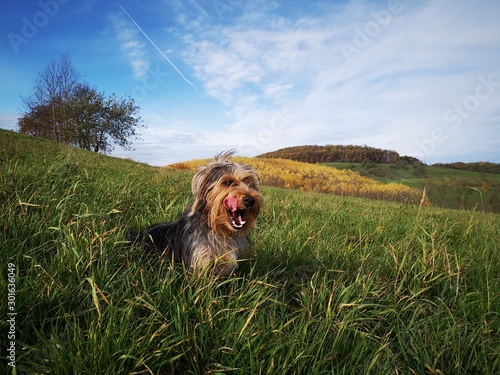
x=52, y=90
x=67, y=111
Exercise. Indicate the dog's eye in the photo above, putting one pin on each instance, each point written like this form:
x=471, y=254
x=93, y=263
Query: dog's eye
x=228, y=183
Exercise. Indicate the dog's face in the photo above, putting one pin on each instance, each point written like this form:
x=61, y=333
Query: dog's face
x=228, y=194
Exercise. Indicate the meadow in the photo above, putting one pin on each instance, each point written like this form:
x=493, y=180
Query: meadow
x=445, y=187
x=331, y=285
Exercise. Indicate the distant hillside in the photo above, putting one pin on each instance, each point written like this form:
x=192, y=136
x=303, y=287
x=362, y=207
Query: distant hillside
x=342, y=154
x=302, y=176
x=445, y=187
x=482, y=166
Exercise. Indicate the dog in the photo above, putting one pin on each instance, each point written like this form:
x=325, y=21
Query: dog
x=215, y=228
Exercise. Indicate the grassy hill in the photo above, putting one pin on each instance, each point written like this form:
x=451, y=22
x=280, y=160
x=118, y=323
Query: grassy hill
x=456, y=185
x=445, y=187
x=331, y=285
x=296, y=175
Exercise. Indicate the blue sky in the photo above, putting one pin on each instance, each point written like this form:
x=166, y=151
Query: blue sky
x=418, y=77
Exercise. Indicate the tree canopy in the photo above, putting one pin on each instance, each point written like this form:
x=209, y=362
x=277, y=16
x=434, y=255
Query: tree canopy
x=65, y=110
x=341, y=153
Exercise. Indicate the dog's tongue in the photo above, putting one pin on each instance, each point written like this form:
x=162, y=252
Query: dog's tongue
x=231, y=204
x=236, y=214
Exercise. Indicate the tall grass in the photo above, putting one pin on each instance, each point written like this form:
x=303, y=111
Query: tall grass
x=331, y=285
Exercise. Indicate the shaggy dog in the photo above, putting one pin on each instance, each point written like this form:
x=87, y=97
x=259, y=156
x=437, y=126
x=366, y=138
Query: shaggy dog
x=214, y=229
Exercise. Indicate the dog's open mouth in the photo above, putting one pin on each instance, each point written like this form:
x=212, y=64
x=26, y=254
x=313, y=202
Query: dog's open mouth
x=234, y=213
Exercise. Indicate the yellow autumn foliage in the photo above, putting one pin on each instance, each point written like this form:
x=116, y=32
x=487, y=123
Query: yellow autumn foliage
x=291, y=174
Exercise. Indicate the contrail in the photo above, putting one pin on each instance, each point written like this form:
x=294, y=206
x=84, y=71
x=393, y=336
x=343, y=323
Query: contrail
x=159, y=50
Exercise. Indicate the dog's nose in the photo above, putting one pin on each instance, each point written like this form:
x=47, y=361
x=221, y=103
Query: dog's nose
x=248, y=202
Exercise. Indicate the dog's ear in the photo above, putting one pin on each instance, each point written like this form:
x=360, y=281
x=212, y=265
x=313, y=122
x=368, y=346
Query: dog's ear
x=198, y=185
x=195, y=206
x=197, y=182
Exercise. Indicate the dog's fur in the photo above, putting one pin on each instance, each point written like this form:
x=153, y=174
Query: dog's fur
x=215, y=227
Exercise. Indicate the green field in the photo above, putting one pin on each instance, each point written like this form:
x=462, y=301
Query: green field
x=332, y=285
x=446, y=187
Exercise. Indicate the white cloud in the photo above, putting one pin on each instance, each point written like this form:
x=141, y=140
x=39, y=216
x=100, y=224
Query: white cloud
x=132, y=46
x=8, y=120
x=411, y=63
x=285, y=77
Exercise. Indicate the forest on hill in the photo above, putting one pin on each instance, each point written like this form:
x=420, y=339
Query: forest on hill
x=342, y=154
